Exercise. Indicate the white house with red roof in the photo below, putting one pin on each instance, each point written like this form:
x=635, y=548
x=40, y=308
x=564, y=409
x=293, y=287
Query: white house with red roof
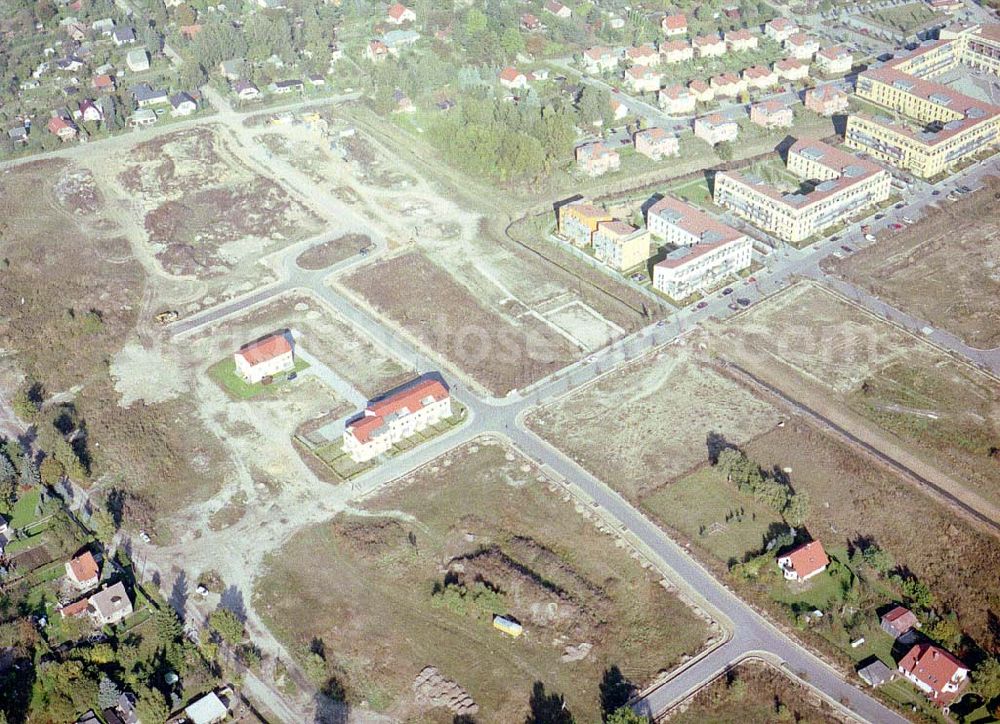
x=511, y=77
x=674, y=25
x=936, y=672
x=676, y=100
x=554, y=7
x=804, y=562
x=64, y=129
x=83, y=571
x=399, y=14
x=676, y=51
x=709, y=46
x=396, y=417
x=600, y=58
x=780, y=29
x=265, y=357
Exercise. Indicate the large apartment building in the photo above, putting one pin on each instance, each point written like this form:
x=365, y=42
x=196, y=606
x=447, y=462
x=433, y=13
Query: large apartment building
x=388, y=421
x=932, y=126
x=835, y=185
x=577, y=221
x=707, y=251
x=978, y=46
x=620, y=245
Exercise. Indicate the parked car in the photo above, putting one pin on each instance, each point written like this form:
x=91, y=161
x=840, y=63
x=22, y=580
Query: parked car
x=733, y=305
x=701, y=305
x=743, y=302
x=936, y=192
x=727, y=291
x=879, y=216
x=899, y=205
x=869, y=237
x=751, y=280
x=907, y=220
x=846, y=248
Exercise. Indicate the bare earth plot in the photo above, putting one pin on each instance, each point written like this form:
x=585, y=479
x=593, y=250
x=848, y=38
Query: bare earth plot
x=502, y=348
x=77, y=290
x=761, y=695
x=944, y=269
x=205, y=212
x=648, y=423
x=889, y=387
x=413, y=580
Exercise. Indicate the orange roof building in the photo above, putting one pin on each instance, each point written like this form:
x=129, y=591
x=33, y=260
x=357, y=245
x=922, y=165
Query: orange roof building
x=83, y=570
x=265, y=357
x=936, y=672
x=391, y=419
x=804, y=562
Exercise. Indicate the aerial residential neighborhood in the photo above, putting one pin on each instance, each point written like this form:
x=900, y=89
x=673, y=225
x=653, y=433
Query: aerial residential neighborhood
x=528, y=361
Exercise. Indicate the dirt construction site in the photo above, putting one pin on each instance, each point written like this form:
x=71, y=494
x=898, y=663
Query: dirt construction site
x=945, y=268
x=413, y=578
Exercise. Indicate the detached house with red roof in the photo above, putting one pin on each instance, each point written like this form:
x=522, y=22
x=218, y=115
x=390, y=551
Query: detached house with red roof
x=83, y=571
x=511, y=77
x=396, y=417
x=936, y=672
x=780, y=29
x=804, y=562
x=399, y=14
x=554, y=7
x=265, y=357
x=709, y=46
x=63, y=128
x=674, y=25
x=899, y=621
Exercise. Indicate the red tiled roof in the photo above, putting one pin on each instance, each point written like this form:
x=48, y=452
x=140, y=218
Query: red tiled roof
x=84, y=567
x=699, y=86
x=397, y=10
x=742, y=34
x=675, y=22
x=781, y=24
x=673, y=46
x=901, y=618
x=510, y=74
x=808, y=558
x=411, y=399
x=798, y=39
x=932, y=665
x=833, y=52
x=74, y=609
x=707, y=40
x=265, y=349
x=788, y=64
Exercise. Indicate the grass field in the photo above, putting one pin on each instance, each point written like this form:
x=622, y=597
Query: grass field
x=941, y=269
x=904, y=18
x=646, y=424
x=884, y=382
x=761, y=695
x=413, y=579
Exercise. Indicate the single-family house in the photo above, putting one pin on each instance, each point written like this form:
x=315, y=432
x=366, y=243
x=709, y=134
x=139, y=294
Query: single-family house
x=5, y=531
x=656, y=143
x=103, y=82
x=396, y=40
x=110, y=606
x=771, y=114
x=511, y=77
x=137, y=60
x=642, y=79
x=125, y=35
x=791, y=69
x=530, y=22
x=620, y=245
x=265, y=357
x=183, y=104
x=376, y=51
x=83, y=571
x=18, y=135
x=554, y=7
x=69, y=64
x=246, y=91
x=801, y=46
x=104, y=26
x=280, y=87
x=759, y=77
x=76, y=31
x=804, y=562
x=727, y=85
x=741, y=39
x=936, y=672
x=644, y=54
x=90, y=112
x=677, y=100
x=780, y=29
x=316, y=80
x=62, y=127
x=673, y=25
x=899, y=621
x=74, y=609
x=399, y=14
x=701, y=91
x=599, y=59
x=618, y=110
x=835, y=60
x=709, y=46
x=146, y=96
x=401, y=415
x=676, y=51
x=826, y=100
x=595, y=159
x=142, y=117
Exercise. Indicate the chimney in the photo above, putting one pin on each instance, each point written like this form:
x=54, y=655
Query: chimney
x=934, y=654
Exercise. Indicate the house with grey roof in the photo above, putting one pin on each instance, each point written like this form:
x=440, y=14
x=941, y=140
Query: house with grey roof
x=110, y=605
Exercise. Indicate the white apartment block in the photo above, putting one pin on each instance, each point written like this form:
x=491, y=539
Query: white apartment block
x=388, y=421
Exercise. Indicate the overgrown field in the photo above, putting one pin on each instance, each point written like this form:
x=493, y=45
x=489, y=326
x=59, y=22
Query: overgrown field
x=889, y=387
x=942, y=269
x=648, y=423
x=415, y=577
x=760, y=694
x=70, y=290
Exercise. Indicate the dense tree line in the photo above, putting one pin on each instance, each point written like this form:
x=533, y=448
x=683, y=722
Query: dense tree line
x=771, y=489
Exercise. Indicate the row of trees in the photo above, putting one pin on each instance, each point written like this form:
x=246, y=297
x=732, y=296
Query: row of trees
x=770, y=488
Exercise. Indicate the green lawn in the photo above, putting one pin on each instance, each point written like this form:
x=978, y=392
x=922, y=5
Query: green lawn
x=224, y=373
x=24, y=509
